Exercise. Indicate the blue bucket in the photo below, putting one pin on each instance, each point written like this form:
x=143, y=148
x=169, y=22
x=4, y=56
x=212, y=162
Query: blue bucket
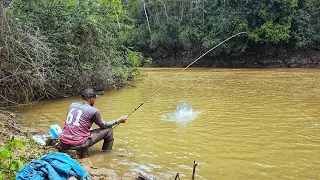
x=55, y=131
x=53, y=134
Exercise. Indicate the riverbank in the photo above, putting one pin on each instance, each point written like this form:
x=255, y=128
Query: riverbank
x=11, y=129
x=268, y=59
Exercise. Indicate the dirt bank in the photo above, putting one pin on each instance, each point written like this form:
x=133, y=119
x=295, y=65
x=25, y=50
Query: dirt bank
x=268, y=59
x=9, y=128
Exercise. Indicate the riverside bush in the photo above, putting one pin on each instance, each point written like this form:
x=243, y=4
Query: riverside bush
x=58, y=47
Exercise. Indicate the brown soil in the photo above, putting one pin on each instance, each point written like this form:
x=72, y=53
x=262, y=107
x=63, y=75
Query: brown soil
x=10, y=128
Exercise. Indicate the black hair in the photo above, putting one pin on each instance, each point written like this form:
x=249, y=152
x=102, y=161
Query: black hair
x=88, y=94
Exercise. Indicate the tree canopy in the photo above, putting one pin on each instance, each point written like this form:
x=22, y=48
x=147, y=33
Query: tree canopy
x=168, y=27
x=53, y=48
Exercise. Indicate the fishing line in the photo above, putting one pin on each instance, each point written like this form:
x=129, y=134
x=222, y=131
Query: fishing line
x=166, y=83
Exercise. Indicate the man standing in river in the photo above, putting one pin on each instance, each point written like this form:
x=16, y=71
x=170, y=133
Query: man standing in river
x=77, y=135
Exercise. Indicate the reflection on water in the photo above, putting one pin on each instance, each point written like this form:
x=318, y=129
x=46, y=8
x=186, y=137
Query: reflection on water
x=254, y=124
x=182, y=114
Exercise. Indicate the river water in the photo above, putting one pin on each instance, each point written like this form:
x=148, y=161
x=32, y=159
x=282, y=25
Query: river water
x=250, y=124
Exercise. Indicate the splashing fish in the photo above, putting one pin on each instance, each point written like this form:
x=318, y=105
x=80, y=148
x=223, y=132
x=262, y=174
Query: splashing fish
x=183, y=113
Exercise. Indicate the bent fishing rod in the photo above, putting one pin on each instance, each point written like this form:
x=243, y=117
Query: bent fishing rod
x=166, y=83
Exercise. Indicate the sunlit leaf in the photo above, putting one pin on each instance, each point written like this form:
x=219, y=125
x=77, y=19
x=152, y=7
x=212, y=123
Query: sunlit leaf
x=3, y=176
x=4, y=154
x=14, y=166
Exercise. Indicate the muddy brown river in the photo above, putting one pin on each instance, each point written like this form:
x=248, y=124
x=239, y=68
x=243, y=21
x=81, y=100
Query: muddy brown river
x=250, y=124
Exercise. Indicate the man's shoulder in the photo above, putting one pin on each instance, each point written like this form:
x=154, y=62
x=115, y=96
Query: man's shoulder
x=77, y=105
x=83, y=106
x=93, y=109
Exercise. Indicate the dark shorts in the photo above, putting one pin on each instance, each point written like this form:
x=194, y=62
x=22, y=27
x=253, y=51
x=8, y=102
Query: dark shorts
x=96, y=135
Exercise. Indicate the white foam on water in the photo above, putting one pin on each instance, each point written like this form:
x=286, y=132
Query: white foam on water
x=264, y=165
x=183, y=113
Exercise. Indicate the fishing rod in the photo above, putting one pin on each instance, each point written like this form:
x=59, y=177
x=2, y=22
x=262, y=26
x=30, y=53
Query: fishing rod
x=155, y=92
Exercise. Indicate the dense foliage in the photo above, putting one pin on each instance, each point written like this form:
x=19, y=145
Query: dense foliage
x=52, y=48
x=178, y=28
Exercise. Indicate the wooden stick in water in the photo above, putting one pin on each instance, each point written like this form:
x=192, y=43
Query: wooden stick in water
x=194, y=169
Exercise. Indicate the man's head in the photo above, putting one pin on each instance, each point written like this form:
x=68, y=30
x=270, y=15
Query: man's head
x=89, y=96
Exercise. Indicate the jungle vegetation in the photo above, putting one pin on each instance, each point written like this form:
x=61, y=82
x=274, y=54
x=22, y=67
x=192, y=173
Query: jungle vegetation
x=55, y=48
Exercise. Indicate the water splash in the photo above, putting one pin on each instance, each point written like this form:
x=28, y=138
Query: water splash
x=183, y=113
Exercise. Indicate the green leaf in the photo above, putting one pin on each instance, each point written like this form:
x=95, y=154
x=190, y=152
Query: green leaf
x=3, y=176
x=14, y=166
x=4, y=154
x=19, y=144
x=4, y=166
x=22, y=158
